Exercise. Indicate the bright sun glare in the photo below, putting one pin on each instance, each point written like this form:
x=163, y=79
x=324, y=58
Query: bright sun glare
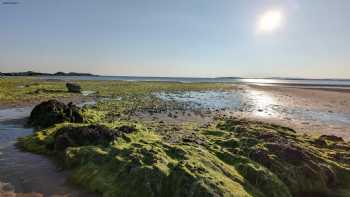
x=270, y=21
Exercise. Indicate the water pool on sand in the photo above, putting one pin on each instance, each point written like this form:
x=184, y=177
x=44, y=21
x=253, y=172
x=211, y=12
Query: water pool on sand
x=27, y=173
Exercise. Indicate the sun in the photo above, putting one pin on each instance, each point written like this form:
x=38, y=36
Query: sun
x=270, y=21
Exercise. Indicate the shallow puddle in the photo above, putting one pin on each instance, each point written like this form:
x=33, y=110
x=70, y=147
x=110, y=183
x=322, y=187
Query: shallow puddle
x=27, y=174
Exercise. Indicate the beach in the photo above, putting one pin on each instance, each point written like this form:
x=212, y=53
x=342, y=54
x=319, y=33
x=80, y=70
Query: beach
x=313, y=111
x=142, y=133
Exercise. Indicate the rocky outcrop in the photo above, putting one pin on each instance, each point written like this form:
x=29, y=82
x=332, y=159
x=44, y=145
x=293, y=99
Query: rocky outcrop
x=51, y=112
x=234, y=158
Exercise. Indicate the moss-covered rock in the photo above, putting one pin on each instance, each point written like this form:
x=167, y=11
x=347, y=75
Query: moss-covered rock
x=73, y=87
x=298, y=161
x=51, y=112
x=258, y=159
x=84, y=136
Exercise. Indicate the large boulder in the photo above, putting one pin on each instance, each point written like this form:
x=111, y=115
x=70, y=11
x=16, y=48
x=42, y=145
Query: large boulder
x=51, y=112
x=73, y=87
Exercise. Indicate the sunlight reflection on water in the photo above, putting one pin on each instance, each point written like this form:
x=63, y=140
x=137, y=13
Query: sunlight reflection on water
x=256, y=103
x=261, y=104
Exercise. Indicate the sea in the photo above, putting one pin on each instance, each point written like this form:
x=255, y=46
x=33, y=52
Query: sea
x=307, y=83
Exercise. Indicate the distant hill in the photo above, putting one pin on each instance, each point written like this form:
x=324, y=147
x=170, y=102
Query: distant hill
x=31, y=73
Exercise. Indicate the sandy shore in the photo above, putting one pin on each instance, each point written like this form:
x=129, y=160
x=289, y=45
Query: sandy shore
x=326, y=110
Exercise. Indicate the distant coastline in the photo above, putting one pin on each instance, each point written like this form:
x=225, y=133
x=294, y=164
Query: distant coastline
x=326, y=84
x=32, y=73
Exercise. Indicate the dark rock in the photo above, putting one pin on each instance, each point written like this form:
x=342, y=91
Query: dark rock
x=239, y=129
x=126, y=129
x=268, y=136
x=83, y=136
x=320, y=142
x=261, y=156
x=342, y=156
x=288, y=152
x=51, y=112
x=73, y=87
x=331, y=138
x=192, y=139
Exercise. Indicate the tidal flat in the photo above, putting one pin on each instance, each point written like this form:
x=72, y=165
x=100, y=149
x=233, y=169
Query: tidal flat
x=175, y=139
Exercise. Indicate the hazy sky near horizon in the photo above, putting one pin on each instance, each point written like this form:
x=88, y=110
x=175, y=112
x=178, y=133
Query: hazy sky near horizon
x=207, y=38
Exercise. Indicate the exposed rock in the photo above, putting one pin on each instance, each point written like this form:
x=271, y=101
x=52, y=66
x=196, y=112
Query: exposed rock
x=126, y=129
x=331, y=138
x=51, y=112
x=239, y=129
x=288, y=152
x=73, y=87
x=320, y=142
x=192, y=139
x=86, y=135
x=263, y=160
x=327, y=140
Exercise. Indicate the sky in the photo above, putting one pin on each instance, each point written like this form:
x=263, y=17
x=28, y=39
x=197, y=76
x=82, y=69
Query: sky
x=188, y=38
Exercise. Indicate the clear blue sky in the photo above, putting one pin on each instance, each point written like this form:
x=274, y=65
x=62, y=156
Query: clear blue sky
x=176, y=37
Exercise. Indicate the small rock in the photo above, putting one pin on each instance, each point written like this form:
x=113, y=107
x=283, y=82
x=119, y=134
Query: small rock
x=126, y=129
x=73, y=87
x=239, y=129
x=331, y=138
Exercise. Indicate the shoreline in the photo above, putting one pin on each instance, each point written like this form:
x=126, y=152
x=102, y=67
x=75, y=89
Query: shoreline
x=304, y=108
x=316, y=111
x=335, y=88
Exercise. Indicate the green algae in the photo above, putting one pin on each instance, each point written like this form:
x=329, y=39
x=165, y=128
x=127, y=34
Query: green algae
x=92, y=116
x=233, y=158
x=22, y=90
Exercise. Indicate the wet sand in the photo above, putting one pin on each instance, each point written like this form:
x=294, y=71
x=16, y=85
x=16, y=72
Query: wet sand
x=323, y=99
x=312, y=111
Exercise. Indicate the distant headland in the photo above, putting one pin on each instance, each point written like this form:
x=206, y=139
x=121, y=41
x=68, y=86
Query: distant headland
x=32, y=73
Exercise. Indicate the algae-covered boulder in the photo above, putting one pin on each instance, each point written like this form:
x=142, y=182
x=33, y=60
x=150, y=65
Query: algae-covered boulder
x=73, y=87
x=257, y=160
x=87, y=135
x=51, y=112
